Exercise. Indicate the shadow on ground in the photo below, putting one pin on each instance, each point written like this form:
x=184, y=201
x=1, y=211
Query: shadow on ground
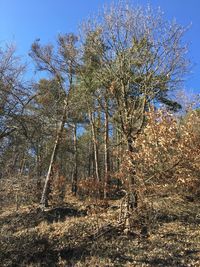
x=174, y=240
x=34, y=217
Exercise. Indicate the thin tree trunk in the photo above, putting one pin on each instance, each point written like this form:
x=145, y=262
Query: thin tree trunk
x=89, y=160
x=106, y=151
x=46, y=188
x=75, y=170
x=133, y=195
x=133, y=198
x=38, y=170
x=118, y=156
x=94, y=137
x=118, y=141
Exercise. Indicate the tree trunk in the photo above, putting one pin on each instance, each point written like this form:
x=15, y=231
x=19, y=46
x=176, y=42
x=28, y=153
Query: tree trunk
x=90, y=153
x=133, y=198
x=95, y=144
x=46, y=188
x=106, y=151
x=117, y=166
x=75, y=170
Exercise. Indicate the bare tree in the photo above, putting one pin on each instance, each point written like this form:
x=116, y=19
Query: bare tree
x=13, y=94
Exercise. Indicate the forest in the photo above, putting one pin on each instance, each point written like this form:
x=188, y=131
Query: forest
x=100, y=156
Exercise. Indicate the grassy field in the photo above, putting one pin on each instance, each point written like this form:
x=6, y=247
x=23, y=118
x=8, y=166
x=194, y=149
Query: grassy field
x=78, y=235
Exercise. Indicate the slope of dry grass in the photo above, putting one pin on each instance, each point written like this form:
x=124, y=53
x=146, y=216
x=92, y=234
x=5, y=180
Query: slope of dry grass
x=74, y=236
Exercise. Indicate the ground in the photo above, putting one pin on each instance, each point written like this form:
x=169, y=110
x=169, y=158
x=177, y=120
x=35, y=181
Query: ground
x=79, y=234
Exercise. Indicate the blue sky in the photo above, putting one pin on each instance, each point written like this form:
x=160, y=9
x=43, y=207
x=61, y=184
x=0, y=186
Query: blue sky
x=22, y=21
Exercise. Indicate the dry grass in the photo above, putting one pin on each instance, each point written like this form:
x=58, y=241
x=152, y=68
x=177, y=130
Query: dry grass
x=76, y=236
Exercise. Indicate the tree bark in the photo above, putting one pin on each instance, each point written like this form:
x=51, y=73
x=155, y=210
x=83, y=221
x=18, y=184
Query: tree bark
x=95, y=144
x=90, y=153
x=46, y=189
x=106, y=151
x=75, y=170
x=132, y=194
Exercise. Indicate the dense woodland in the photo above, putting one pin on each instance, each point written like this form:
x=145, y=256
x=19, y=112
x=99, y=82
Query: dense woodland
x=107, y=125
